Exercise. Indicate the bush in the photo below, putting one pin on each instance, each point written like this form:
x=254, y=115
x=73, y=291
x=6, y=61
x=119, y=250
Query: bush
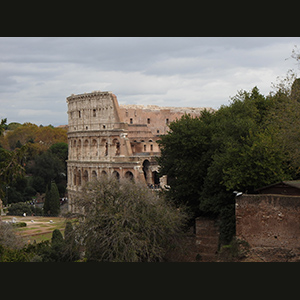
x=236, y=250
x=18, y=209
x=19, y=224
x=126, y=222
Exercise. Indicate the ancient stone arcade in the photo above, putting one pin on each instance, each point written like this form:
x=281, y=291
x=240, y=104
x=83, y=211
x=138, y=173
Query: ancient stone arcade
x=105, y=138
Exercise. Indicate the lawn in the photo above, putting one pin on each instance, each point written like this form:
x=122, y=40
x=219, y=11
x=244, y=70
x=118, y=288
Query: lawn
x=38, y=228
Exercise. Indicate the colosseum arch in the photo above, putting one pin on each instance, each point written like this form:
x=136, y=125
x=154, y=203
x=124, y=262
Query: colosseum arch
x=94, y=175
x=86, y=148
x=79, y=149
x=146, y=170
x=116, y=146
x=94, y=148
x=78, y=178
x=129, y=175
x=73, y=150
x=85, y=176
x=116, y=174
x=103, y=173
x=104, y=147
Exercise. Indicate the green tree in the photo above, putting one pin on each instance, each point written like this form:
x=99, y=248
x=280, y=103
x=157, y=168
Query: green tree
x=52, y=203
x=57, y=237
x=52, y=252
x=11, y=167
x=2, y=126
x=236, y=147
x=46, y=168
x=185, y=156
x=60, y=150
x=126, y=222
x=71, y=249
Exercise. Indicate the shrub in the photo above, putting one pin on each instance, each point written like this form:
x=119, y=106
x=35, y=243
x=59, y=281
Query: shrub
x=19, y=224
x=126, y=222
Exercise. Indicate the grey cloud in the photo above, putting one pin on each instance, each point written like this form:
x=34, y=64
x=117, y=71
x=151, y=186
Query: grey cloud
x=37, y=74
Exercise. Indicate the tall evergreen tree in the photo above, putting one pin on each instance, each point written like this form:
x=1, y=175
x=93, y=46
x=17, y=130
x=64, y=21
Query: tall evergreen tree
x=52, y=204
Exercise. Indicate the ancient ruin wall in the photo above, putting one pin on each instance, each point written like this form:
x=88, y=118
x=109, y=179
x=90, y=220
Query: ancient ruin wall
x=268, y=220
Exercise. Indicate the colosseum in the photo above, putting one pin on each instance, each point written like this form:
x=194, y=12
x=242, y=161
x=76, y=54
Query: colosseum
x=107, y=138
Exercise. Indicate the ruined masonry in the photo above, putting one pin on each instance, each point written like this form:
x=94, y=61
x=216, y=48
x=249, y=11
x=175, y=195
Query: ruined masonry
x=105, y=138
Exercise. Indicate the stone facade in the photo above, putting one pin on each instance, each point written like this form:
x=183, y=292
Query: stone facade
x=105, y=138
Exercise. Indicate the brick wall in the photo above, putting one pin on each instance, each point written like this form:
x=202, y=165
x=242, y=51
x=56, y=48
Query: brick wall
x=269, y=220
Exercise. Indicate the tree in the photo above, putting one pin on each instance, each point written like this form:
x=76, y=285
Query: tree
x=185, y=156
x=236, y=147
x=52, y=203
x=46, y=168
x=71, y=249
x=2, y=126
x=11, y=167
x=126, y=222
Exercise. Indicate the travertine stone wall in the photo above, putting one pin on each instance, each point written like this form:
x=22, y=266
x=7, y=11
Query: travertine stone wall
x=105, y=138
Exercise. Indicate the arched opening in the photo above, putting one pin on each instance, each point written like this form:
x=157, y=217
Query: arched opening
x=85, y=176
x=116, y=175
x=116, y=145
x=104, y=147
x=94, y=175
x=86, y=148
x=79, y=149
x=146, y=170
x=155, y=178
x=78, y=179
x=75, y=177
x=94, y=148
x=74, y=150
x=103, y=173
x=129, y=175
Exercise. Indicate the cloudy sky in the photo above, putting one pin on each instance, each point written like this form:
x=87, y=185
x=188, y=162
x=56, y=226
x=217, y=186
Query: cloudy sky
x=38, y=74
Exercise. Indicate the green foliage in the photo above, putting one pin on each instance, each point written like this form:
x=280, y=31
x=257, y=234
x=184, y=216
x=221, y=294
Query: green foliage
x=250, y=143
x=19, y=224
x=57, y=249
x=18, y=209
x=57, y=237
x=3, y=126
x=39, y=152
x=52, y=203
x=13, y=255
x=11, y=167
x=126, y=222
x=235, y=251
x=185, y=156
x=71, y=250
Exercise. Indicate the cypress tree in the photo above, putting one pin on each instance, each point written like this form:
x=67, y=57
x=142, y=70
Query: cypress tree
x=57, y=237
x=52, y=204
x=54, y=200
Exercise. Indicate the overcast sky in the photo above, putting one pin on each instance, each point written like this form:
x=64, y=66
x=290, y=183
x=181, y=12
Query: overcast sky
x=38, y=74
